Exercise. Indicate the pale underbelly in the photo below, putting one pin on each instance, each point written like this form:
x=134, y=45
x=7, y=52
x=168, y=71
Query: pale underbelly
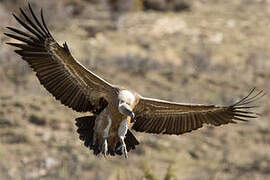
x=110, y=127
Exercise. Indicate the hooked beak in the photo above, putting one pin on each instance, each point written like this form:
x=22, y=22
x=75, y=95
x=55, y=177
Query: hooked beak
x=126, y=110
x=132, y=115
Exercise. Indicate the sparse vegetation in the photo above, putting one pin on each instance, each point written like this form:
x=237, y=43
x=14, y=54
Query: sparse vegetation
x=208, y=52
x=170, y=175
x=147, y=173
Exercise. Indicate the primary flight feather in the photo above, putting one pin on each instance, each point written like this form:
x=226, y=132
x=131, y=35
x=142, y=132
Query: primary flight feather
x=114, y=110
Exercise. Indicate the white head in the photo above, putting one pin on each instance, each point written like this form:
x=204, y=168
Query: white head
x=126, y=99
x=126, y=96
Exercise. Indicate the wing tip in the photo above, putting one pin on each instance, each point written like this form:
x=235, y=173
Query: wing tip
x=242, y=109
x=250, y=98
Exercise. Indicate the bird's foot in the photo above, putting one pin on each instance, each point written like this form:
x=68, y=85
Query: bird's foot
x=105, y=148
x=121, y=149
x=124, y=150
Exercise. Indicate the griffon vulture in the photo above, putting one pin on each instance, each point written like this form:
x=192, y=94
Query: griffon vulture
x=113, y=110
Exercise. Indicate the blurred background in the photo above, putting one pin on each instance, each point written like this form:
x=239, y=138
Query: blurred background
x=196, y=51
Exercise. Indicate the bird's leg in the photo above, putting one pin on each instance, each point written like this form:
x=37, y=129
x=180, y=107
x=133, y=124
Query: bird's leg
x=105, y=136
x=105, y=148
x=122, y=131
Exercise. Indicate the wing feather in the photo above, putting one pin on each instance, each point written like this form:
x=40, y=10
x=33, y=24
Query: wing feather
x=178, y=125
x=185, y=125
x=64, y=77
x=170, y=120
x=175, y=126
x=158, y=116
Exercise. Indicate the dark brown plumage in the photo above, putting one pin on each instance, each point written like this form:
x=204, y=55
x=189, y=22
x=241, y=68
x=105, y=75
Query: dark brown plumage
x=55, y=68
x=113, y=110
x=156, y=116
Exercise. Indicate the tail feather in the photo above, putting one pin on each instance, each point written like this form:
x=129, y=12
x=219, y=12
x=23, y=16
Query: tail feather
x=85, y=130
x=131, y=141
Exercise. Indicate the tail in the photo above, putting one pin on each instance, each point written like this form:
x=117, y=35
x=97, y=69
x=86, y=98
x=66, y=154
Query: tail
x=85, y=129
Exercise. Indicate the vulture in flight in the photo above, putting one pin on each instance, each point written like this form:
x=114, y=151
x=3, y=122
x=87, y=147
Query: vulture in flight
x=113, y=110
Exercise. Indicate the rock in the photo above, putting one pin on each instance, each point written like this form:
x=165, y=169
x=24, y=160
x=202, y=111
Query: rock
x=41, y=121
x=4, y=122
x=166, y=5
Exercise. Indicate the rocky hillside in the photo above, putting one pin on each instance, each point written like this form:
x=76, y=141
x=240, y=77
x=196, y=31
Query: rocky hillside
x=204, y=51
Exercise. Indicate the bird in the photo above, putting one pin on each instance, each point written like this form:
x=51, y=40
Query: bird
x=114, y=111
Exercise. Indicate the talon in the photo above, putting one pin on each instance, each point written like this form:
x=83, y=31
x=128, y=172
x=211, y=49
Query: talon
x=105, y=148
x=124, y=150
x=122, y=131
x=123, y=147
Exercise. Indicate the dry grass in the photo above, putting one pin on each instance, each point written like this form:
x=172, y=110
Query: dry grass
x=213, y=53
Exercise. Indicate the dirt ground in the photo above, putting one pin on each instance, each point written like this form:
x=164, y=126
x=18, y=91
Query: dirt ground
x=211, y=52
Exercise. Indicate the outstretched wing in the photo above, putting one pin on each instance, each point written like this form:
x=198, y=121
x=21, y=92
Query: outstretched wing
x=64, y=77
x=157, y=116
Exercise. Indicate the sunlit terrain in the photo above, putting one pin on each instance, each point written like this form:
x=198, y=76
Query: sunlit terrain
x=206, y=51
